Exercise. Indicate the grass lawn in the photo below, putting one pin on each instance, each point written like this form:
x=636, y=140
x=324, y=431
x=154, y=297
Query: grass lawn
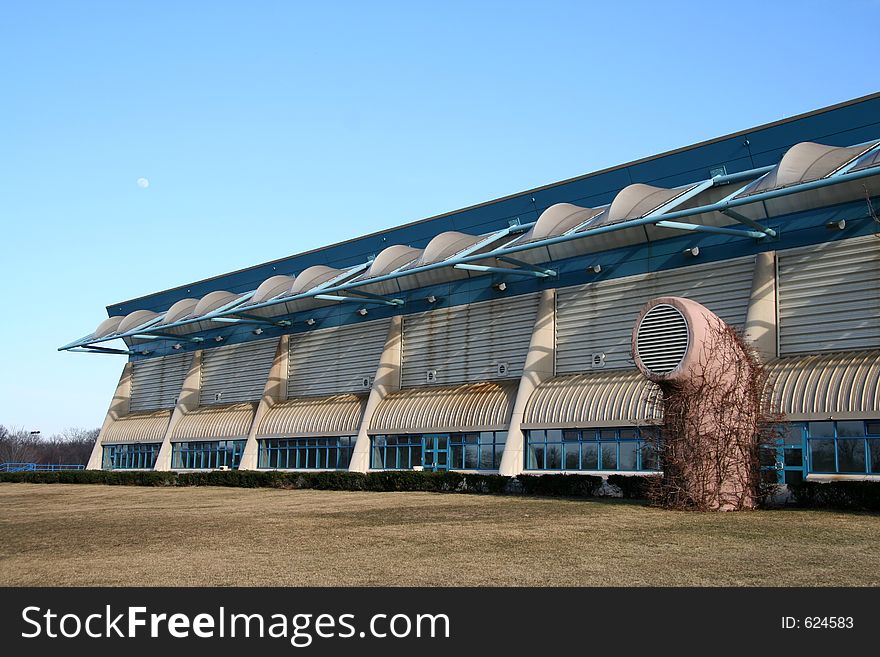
x=118, y=535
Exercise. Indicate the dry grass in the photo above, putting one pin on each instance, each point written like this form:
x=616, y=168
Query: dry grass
x=112, y=536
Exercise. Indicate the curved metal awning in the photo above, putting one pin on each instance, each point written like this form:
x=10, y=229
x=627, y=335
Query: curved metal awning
x=339, y=415
x=839, y=386
x=138, y=428
x=471, y=407
x=215, y=423
x=638, y=213
x=600, y=399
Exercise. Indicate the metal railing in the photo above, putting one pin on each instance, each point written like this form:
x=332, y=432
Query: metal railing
x=39, y=467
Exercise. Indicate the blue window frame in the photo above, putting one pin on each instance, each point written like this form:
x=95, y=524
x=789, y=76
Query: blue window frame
x=401, y=452
x=207, y=454
x=474, y=450
x=626, y=449
x=130, y=456
x=331, y=453
x=842, y=446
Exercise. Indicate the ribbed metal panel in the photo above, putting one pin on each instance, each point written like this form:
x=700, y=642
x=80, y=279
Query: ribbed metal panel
x=662, y=339
x=614, y=398
x=467, y=343
x=817, y=387
x=339, y=415
x=599, y=318
x=215, y=423
x=829, y=297
x=157, y=382
x=138, y=428
x=472, y=407
x=335, y=360
x=237, y=372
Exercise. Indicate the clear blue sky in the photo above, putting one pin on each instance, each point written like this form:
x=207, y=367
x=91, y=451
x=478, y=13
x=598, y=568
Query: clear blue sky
x=269, y=128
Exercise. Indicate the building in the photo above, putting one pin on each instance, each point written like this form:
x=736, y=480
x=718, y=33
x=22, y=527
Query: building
x=497, y=338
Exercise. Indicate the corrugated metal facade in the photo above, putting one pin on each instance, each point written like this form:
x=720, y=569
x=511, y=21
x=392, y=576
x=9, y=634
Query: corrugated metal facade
x=829, y=297
x=215, y=423
x=472, y=407
x=615, y=398
x=824, y=386
x=335, y=360
x=138, y=428
x=339, y=415
x=237, y=372
x=156, y=383
x=468, y=343
x=598, y=318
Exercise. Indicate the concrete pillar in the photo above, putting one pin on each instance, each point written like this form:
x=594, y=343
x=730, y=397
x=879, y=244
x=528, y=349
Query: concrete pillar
x=118, y=408
x=274, y=391
x=387, y=381
x=188, y=400
x=540, y=366
x=760, y=329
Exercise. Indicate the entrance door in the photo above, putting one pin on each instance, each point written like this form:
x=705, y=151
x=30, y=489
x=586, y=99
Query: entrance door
x=783, y=463
x=435, y=453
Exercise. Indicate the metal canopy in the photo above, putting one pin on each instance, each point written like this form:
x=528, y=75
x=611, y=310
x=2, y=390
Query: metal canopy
x=656, y=211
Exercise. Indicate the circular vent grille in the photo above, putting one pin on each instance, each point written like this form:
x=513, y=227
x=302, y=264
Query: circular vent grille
x=662, y=340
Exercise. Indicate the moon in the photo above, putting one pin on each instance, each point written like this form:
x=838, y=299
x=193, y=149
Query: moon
x=143, y=183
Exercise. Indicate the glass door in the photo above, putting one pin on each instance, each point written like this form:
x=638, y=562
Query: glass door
x=783, y=463
x=435, y=452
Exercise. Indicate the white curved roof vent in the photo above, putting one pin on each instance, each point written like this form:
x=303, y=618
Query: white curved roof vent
x=633, y=202
x=446, y=245
x=662, y=339
x=108, y=326
x=558, y=219
x=391, y=258
x=179, y=310
x=311, y=277
x=804, y=162
x=212, y=301
x=872, y=160
x=135, y=319
x=272, y=287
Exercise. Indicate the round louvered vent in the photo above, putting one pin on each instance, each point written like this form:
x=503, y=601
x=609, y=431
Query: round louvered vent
x=662, y=340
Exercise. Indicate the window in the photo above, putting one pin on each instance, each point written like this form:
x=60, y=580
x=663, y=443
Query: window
x=332, y=453
x=623, y=449
x=843, y=447
x=476, y=450
x=132, y=456
x=396, y=452
x=207, y=454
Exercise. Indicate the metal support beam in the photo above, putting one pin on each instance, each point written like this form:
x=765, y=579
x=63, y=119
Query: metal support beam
x=155, y=335
x=682, y=198
x=103, y=350
x=751, y=223
x=699, y=228
x=483, y=269
x=263, y=320
x=526, y=265
x=381, y=302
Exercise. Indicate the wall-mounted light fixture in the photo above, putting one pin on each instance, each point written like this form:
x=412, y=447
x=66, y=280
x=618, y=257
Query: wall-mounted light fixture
x=362, y=312
x=258, y=331
x=431, y=299
x=594, y=269
x=310, y=321
x=500, y=286
x=836, y=225
x=693, y=252
x=177, y=346
x=219, y=338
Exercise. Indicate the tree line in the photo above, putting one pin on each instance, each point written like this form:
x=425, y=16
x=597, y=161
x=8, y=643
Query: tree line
x=72, y=446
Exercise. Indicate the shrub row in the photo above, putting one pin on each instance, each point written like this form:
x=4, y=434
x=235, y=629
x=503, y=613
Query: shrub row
x=557, y=485
x=843, y=495
x=634, y=487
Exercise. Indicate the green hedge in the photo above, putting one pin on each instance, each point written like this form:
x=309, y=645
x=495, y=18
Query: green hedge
x=439, y=482
x=635, y=487
x=843, y=495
